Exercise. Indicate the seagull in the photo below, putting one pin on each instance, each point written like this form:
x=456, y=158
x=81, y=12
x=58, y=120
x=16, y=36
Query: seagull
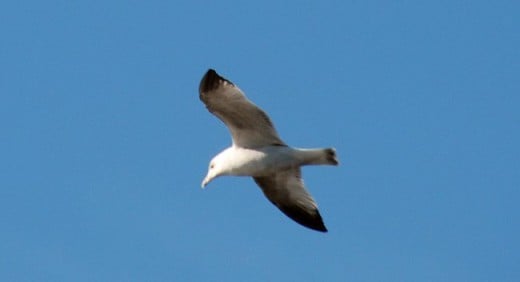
x=258, y=151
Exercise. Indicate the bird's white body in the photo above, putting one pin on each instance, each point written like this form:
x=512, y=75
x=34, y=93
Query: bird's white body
x=267, y=160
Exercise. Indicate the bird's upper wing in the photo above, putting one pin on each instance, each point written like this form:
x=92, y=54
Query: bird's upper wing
x=285, y=190
x=250, y=127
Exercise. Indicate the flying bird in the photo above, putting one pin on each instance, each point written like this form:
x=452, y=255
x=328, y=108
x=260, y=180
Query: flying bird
x=258, y=151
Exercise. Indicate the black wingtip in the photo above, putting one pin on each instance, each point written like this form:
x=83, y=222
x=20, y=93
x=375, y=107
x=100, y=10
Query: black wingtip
x=310, y=220
x=210, y=81
x=211, y=72
x=318, y=224
x=320, y=229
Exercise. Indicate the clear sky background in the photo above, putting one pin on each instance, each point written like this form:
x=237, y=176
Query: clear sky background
x=104, y=142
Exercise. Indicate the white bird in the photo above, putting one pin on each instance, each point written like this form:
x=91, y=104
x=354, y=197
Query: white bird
x=258, y=151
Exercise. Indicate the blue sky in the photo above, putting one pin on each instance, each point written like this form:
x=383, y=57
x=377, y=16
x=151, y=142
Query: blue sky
x=104, y=142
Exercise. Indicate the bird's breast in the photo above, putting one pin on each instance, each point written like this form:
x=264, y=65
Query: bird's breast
x=263, y=161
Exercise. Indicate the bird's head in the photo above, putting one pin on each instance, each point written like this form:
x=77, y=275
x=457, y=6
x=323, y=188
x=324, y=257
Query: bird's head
x=212, y=173
x=216, y=168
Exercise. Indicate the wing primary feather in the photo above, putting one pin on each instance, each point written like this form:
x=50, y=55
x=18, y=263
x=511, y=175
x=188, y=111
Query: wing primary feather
x=250, y=127
x=211, y=81
x=286, y=191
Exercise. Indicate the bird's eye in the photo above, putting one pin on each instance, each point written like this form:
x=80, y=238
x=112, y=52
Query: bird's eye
x=211, y=166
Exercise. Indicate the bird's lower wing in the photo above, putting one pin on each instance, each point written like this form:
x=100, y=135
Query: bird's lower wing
x=285, y=190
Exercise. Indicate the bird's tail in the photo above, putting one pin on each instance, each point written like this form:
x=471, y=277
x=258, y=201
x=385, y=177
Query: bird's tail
x=323, y=156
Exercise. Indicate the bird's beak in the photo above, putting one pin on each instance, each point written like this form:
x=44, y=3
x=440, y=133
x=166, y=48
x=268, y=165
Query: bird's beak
x=205, y=182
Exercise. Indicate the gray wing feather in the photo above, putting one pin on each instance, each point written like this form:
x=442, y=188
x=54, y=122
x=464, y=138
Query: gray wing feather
x=285, y=190
x=250, y=127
